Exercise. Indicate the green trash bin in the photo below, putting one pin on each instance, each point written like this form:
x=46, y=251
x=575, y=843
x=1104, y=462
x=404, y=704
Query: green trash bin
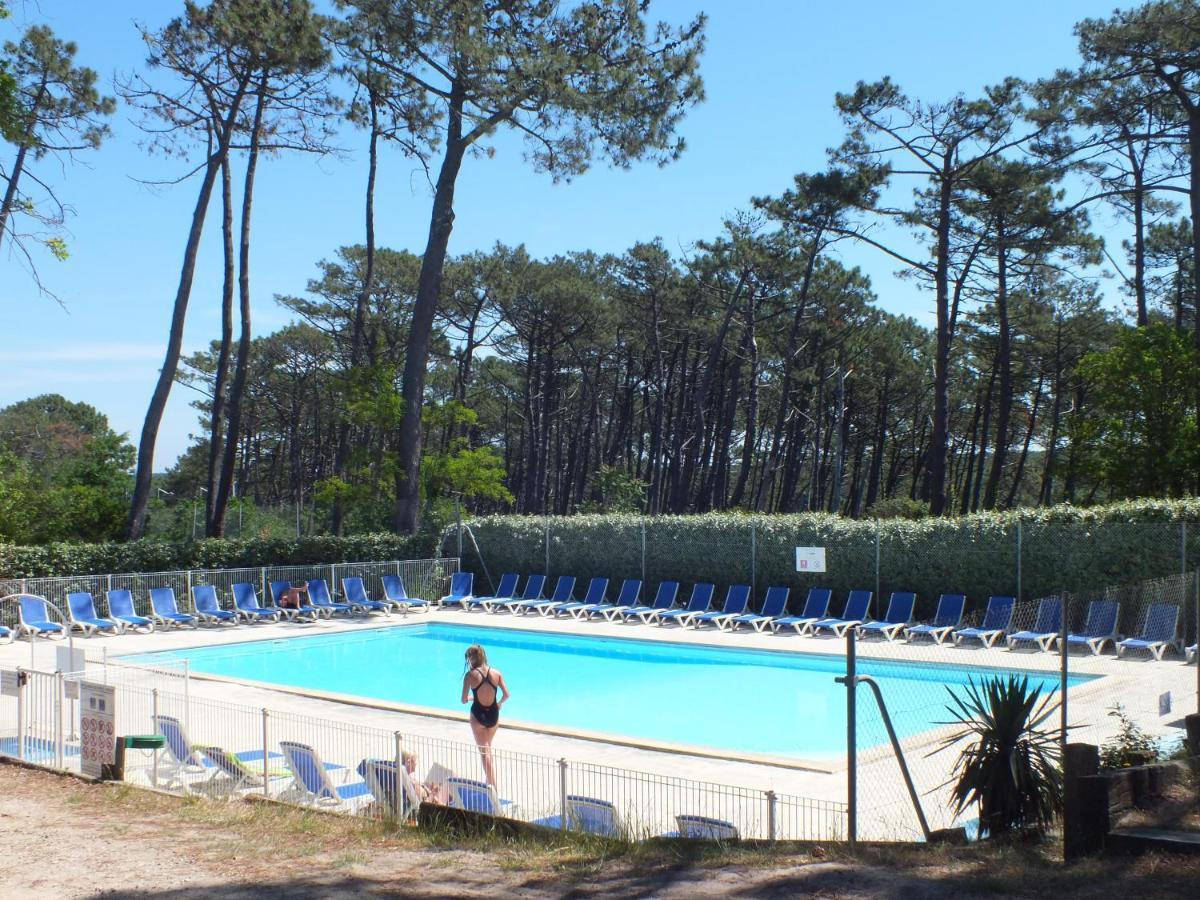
x=116, y=772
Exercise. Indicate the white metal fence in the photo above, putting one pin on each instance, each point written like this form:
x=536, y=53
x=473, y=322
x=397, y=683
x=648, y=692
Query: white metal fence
x=219, y=748
x=426, y=578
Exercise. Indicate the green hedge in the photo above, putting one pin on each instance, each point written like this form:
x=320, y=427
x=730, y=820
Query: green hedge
x=1058, y=549
x=157, y=556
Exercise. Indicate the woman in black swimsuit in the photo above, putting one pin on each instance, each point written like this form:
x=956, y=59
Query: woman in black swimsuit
x=486, y=688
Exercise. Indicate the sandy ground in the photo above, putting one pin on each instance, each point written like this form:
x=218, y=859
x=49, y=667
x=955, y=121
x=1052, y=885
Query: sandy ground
x=63, y=838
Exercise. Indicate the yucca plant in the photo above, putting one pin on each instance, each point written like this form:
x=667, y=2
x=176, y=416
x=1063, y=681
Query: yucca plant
x=1010, y=768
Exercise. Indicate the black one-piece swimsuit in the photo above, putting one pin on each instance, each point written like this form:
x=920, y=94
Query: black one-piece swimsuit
x=487, y=716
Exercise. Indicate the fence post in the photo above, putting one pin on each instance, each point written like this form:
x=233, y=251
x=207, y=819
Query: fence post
x=332, y=580
x=187, y=698
x=262, y=587
x=753, y=558
x=190, y=605
x=154, y=720
x=1064, y=666
x=878, y=598
x=1019, y=540
x=399, y=751
x=20, y=713
x=850, y=680
x=109, y=588
x=562, y=794
x=59, y=749
x=644, y=551
x=266, y=768
x=771, y=824
x=1183, y=548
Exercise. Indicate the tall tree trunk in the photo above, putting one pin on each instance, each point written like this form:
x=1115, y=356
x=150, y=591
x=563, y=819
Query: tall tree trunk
x=429, y=287
x=935, y=465
x=751, y=435
x=237, y=390
x=1014, y=491
x=166, y=376
x=220, y=382
x=360, y=308
x=1004, y=399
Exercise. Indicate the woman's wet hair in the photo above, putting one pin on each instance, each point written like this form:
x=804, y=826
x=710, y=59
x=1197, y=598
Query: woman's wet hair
x=476, y=656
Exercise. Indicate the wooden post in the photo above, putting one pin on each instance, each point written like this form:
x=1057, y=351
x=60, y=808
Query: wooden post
x=1082, y=833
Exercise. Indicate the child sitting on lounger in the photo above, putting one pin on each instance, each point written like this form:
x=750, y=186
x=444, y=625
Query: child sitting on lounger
x=431, y=792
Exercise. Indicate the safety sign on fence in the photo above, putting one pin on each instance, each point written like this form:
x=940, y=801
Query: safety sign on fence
x=97, y=727
x=810, y=559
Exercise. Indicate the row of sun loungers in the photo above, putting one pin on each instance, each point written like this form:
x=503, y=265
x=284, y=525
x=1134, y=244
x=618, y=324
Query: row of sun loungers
x=35, y=617
x=298, y=774
x=1100, y=629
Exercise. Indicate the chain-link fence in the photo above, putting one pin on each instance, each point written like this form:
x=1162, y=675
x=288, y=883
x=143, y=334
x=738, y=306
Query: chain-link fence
x=975, y=558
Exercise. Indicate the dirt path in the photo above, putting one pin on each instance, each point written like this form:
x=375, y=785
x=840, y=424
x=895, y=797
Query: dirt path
x=63, y=838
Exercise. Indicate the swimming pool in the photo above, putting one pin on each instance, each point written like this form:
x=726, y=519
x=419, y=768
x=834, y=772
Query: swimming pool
x=782, y=703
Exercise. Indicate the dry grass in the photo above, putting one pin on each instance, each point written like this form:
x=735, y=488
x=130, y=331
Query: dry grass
x=349, y=857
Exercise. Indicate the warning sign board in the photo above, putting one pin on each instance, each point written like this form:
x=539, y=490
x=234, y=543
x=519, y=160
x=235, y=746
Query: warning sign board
x=97, y=727
x=810, y=559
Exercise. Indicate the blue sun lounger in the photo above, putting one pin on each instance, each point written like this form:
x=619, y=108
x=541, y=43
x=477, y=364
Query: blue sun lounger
x=816, y=607
x=1160, y=632
x=947, y=617
x=245, y=606
x=507, y=590
x=395, y=594
x=737, y=598
x=564, y=588
x=1046, y=626
x=311, y=782
x=899, y=615
x=631, y=590
x=241, y=774
x=534, y=585
x=700, y=601
x=120, y=607
x=858, y=603
x=186, y=763
x=355, y=593
x=34, y=617
x=208, y=607
x=391, y=787
x=704, y=828
x=318, y=596
x=1099, y=627
x=774, y=606
x=165, y=611
x=6, y=634
x=587, y=814
x=245, y=597
x=475, y=796
x=997, y=619
x=82, y=609
x=596, y=590
x=664, y=599
x=461, y=584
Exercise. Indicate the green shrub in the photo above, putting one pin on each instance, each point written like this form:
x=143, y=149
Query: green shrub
x=1131, y=747
x=1065, y=548
x=160, y=556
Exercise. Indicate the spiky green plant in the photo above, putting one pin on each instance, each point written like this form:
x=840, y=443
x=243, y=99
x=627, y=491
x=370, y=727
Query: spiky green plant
x=1010, y=768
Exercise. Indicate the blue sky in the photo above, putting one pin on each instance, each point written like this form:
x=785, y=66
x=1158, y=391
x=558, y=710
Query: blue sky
x=771, y=70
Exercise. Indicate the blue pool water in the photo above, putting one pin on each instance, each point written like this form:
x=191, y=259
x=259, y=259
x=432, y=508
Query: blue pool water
x=756, y=701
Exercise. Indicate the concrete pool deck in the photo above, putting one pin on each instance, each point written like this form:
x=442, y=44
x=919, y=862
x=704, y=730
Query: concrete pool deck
x=1135, y=682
